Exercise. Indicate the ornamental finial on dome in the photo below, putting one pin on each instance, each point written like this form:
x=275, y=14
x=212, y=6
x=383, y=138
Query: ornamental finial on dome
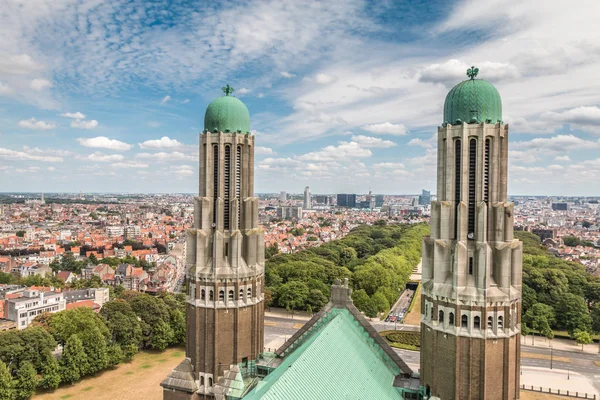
x=472, y=72
x=227, y=90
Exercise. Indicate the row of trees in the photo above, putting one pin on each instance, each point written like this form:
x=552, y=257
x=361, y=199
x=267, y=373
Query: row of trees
x=558, y=295
x=377, y=259
x=91, y=342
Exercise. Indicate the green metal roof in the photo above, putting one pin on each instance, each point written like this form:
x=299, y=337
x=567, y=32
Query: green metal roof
x=473, y=101
x=227, y=114
x=337, y=359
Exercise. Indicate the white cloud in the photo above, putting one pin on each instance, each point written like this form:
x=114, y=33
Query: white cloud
x=40, y=84
x=243, y=91
x=368, y=141
x=183, y=170
x=562, y=158
x=386, y=128
x=167, y=157
x=75, y=115
x=324, y=79
x=580, y=116
x=426, y=144
x=165, y=99
x=345, y=151
x=453, y=71
x=102, y=142
x=129, y=164
x=163, y=143
x=287, y=75
x=556, y=144
x=259, y=150
x=28, y=155
x=5, y=89
x=35, y=124
x=82, y=124
x=18, y=64
x=51, y=169
x=100, y=157
x=153, y=124
x=27, y=170
x=185, y=101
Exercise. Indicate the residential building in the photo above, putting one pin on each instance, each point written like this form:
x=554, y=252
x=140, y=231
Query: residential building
x=346, y=200
x=289, y=212
x=282, y=196
x=24, y=309
x=307, y=203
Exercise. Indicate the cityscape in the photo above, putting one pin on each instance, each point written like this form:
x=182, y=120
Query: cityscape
x=299, y=200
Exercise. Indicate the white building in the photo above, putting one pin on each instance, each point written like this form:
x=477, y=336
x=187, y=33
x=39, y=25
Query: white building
x=33, y=303
x=114, y=231
x=307, y=204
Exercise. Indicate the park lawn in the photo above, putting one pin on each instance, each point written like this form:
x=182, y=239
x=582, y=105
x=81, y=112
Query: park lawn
x=414, y=316
x=545, y=357
x=139, y=379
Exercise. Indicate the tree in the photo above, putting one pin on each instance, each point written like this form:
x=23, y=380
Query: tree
x=92, y=258
x=370, y=309
x=20, y=234
x=162, y=336
x=50, y=373
x=596, y=322
x=268, y=298
x=540, y=317
x=582, y=337
x=115, y=355
x=572, y=314
x=360, y=298
x=571, y=241
x=72, y=360
x=271, y=251
x=122, y=323
x=152, y=311
x=348, y=255
x=7, y=389
x=293, y=295
x=380, y=302
x=26, y=381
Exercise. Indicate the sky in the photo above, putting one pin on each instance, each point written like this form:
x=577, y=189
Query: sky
x=344, y=96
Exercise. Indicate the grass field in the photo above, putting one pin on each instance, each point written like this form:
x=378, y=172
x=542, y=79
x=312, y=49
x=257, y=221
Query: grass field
x=414, y=316
x=545, y=357
x=137, y=380
x=527, y=395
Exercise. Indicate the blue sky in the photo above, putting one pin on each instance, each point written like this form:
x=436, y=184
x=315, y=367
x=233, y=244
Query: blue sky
x=100, y=96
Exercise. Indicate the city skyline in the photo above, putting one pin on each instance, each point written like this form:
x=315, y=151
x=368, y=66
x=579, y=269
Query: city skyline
x=110, y=98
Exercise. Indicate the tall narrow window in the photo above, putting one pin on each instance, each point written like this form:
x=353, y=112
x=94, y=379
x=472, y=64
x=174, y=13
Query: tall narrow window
x=472, y=168
x=451, y=318
x=486, y=172
x=230, y=295
x=221, y=295
x=457, y=175
x=215, y=181
x=238, y=184
x=226, y=187
x=470, y=265
x=445, y=163
x=477, y=322
x=441, y=317
x=490, y=323
x=464, y=321
x=500, y=322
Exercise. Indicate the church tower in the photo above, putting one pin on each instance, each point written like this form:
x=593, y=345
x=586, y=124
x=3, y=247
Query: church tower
x=225, y=257
x=471, y=296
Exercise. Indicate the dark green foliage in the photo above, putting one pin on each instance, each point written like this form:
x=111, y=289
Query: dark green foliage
x=72, y=360
x=26, y=381
x=155, y=319
x=360, y=298
x=50, y=373
x=374, y=258
x=571, y=241
x=31, y=344
x=562, y=287
x=7, y=390
x=115, y=355
x=122, y=322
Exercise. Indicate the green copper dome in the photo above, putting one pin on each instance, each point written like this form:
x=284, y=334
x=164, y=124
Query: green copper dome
x=473, y=101
x=227, y=114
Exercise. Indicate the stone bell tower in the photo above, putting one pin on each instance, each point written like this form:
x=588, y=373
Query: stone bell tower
x=225, y=257
x=471, y=299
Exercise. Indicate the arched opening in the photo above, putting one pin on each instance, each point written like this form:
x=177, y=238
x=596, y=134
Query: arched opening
x=201, y=381
x=226, y=187
x=490, y=323
x=211, y=295
x=500, y=322
x=486, y=171
x=210, y=381
x=249, y=293
x=230, y=295
x=221, y=295
x=472, y=168
x=457, y=182
x=215, y=181
x=241, y=294
x=477, y=322
x=203, y=294
x=464, y=321
x=238, y=183
x=451, y=318
x=441, y=316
